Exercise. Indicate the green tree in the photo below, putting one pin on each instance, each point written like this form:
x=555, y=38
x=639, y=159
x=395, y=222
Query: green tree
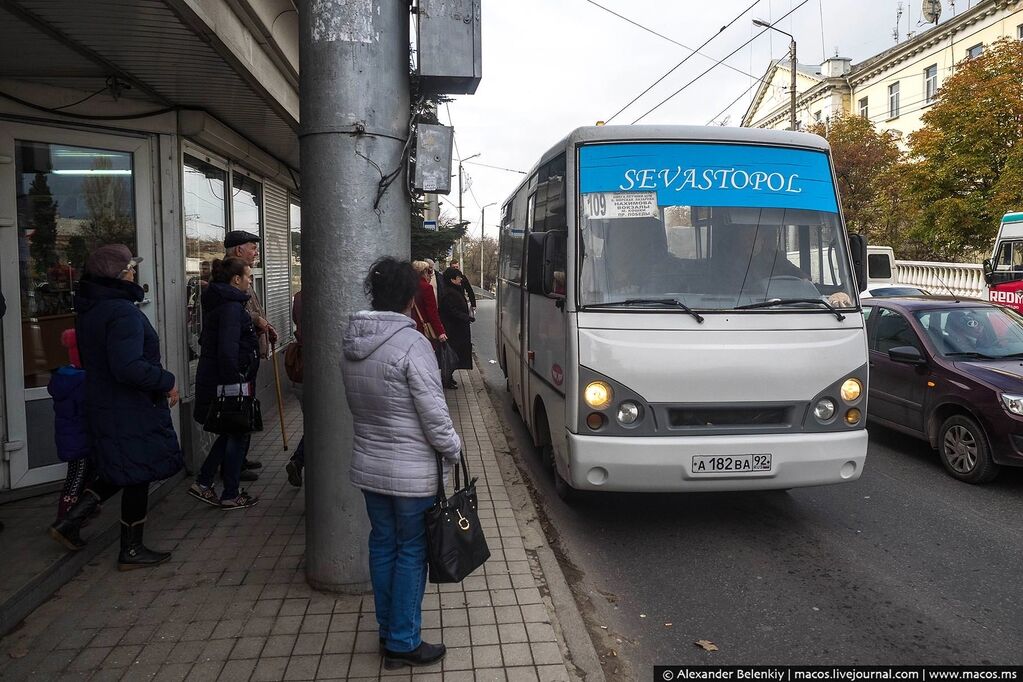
x=969, y=154
x=433, y=244
x=869, y=167
x=43, y=211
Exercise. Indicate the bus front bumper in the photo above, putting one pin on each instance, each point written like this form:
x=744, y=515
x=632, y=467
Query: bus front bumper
x=654, y=464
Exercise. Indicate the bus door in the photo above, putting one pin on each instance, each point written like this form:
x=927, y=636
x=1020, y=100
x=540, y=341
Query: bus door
x=547, y=325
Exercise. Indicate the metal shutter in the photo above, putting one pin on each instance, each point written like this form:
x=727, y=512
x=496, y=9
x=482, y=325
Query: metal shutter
x=275, y=260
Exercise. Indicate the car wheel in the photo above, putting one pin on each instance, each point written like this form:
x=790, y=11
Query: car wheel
x=965, y=451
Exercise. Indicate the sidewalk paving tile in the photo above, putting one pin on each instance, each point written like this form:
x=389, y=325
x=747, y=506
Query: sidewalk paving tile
x=233, y=604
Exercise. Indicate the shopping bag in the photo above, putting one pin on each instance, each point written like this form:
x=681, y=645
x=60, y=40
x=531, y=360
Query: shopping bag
x=456, y=545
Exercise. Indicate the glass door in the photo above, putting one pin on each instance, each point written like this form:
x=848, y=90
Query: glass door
x=64, y=193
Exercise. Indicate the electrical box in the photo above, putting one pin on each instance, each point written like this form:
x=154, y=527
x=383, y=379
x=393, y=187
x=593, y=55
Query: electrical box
x=433, y=158
x=450, y=56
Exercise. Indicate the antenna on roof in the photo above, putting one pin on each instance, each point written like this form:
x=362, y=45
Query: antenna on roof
x=898, y=18
x=942, y=282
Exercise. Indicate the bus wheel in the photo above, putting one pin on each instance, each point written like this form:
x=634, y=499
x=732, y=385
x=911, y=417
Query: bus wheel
x=566, y=492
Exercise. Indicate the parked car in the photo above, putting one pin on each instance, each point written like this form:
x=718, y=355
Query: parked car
x=949, y=371
x=894, y=290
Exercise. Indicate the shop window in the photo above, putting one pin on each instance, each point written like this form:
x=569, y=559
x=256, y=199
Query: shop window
x=205, y=209
x=295, y=220
x=70, y=201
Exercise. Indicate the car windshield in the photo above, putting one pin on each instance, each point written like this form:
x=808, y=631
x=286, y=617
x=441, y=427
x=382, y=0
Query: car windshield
x=734, y=235
x=984, y=332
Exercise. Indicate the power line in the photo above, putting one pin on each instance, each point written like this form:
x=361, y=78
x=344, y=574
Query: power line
x=661, y=35
x=733, y=102
x=687, y=57
x=712, y=66
x=487, y=165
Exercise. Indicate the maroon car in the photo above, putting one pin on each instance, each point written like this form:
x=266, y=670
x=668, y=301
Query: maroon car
x=949, y=371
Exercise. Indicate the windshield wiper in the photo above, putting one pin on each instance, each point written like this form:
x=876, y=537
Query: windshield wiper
x=971, y=355
x=646, y=301
x=791, y=301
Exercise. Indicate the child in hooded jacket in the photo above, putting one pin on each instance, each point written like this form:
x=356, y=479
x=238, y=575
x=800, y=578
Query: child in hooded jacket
x=70, y=430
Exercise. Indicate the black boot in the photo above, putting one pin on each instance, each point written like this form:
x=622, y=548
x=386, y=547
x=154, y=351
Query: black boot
x=66, y=531
x=424, y=654
x=134, y=554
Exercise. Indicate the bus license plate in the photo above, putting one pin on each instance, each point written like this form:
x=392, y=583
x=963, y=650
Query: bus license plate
x=728, y=464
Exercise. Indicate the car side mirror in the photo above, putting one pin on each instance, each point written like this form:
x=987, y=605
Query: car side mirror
x=858, y=250
x=907, y=354
x=988, y=269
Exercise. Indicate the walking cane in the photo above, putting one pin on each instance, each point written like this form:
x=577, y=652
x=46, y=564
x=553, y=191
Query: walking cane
x=280, y=401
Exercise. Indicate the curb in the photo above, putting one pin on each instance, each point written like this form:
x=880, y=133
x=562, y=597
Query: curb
x=581, y=657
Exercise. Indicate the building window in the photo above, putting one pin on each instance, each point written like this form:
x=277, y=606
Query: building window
x=1019, y=31
x=863, y=108
x=817, y=116
x=975, y=51
x=931, y=82
x=893, y=100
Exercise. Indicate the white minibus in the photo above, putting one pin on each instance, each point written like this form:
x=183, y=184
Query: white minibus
x=677, y=310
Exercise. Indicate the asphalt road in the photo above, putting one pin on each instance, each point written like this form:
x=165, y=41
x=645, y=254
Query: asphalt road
x=904, y=566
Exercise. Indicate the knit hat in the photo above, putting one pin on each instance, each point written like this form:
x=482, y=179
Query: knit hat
x=110, y=261
x=69, y=339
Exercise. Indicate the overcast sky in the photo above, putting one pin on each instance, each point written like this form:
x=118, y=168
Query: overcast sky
x=550, y=66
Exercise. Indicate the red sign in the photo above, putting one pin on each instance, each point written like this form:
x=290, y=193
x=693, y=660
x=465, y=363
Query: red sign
x=557, y=374
x=1009, y=293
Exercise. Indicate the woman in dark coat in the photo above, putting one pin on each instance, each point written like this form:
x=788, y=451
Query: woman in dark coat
x=128, y=397
x=228, y=362
x=454, y=313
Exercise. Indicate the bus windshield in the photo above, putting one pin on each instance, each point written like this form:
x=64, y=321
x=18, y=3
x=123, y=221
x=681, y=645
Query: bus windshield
x=716, y=227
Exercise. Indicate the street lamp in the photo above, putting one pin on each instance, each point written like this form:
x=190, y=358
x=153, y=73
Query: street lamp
x=460, y=162
x=792, y=65
x=483, y=234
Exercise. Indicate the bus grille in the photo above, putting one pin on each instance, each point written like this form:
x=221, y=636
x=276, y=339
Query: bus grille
x=719, y=416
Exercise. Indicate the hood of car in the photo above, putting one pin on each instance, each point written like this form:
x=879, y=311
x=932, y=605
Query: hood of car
x=1006, y=375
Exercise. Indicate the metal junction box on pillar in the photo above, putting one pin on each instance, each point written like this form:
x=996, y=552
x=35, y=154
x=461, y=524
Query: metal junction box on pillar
x=450, y=56
x=433, y=158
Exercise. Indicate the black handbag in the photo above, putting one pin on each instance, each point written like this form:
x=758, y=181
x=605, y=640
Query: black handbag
x=234, y=414
x=455, y=542
x=447, y=359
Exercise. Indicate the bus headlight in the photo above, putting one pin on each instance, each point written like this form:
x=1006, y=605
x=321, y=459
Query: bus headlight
x=851, y=390
x=598, y=395
x=628, y=413
x=824, y=410
x=853, y=416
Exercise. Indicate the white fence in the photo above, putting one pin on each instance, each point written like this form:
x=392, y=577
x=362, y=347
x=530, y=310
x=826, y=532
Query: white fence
x=964, y=279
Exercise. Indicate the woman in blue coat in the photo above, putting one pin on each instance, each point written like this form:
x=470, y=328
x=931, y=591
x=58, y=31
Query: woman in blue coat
x=228, y=362
x=128, y=396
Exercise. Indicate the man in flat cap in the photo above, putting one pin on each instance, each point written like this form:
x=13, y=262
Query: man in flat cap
x=245, y=245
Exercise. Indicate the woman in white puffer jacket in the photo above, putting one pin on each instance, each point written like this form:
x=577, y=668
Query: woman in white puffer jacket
x=401, y=419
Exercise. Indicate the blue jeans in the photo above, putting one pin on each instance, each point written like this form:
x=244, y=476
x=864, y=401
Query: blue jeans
x=228, y=453
x=397, y=566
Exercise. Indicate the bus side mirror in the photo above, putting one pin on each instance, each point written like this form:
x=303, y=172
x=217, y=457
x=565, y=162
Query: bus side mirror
x=988, y=270
x=858, y=249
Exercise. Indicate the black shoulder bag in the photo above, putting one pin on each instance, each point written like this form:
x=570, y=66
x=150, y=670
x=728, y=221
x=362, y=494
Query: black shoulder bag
x=455, y=542
x=234, y=414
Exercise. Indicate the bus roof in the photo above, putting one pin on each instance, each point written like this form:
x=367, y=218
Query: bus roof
x=1012, y=218
x=680, y=133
